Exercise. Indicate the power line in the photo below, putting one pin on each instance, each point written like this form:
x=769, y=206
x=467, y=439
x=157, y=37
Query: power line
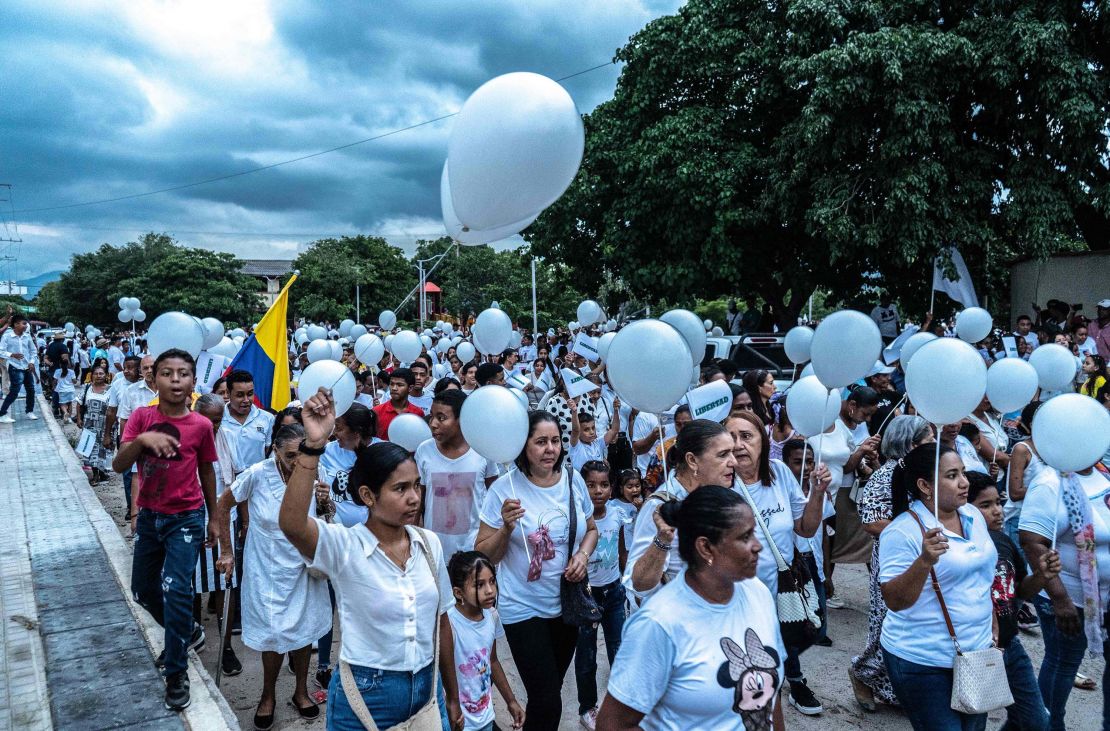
x=271, y=166
x=274, y=234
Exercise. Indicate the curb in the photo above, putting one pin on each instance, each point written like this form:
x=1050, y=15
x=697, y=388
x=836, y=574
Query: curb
x=208, y=709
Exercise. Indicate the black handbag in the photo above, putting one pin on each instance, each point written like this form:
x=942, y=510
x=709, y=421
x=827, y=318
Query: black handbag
x=579, y=606
x=619, y=455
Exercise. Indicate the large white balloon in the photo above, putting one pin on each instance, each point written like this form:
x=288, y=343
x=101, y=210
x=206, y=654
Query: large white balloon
x=357, y=331
x=369, y=349
x=603, y=344
x=139, y=316
x=316, y=332
x=328, y=374
x=448, y=328
x=226, y=347
x=811, y=407
x=492, y=331
x=973, y=324
x=301, y=336
x=132, y=303
x=426, y=341
x=649, y=365
x=318, y=350
x=845, y=347
x=797, y=342
x=387, y=320
x=515, y=147
x=465, y=352
x=213, y=332
x=336, y=349
x=463, y=235
x=388, y=342
x=1055, y=366
x=1011, y=384
x=515, y=338
x=410, y=431
x=912, y=345
x=175, y=330
x=1060, y=421
x=124, y=315
x=123, y=302
x=406, y=346
x=589, y=312
x=692, y=330
x=443, y=345
x=345, y=327
x=494, y=423
x=945, y=380
x=707, y=324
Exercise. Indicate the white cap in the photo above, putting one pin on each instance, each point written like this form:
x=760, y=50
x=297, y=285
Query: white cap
x=1104, y=303
x=880, y=368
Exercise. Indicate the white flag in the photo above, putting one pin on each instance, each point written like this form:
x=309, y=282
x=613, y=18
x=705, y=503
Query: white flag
x=960, y=289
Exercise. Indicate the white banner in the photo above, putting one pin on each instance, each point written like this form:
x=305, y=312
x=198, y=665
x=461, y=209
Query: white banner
x=1009, y=342
x=86, y=443
x=961, y=288
x=209, y=369
x=576, y=383
x=586, y=347
x=712, y=401
x=517, y=380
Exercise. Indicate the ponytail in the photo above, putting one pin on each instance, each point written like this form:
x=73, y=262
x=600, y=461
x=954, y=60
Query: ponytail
x=709, y=511
x=918, y=464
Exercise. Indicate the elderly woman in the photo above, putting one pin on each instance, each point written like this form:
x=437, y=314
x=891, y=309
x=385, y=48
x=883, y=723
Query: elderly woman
x=867, y=671
x=285, y=609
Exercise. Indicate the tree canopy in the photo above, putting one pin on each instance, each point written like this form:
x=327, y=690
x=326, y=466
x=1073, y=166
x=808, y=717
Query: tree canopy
x=330, y=269
x=768, y=147
x=164, y=275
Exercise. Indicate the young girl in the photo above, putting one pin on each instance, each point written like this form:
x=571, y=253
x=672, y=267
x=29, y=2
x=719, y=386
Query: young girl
x=64, y=386
x=1094, y=370
x=628, y=496
x=604, y=569
x=476, y=627
x=1012, y=584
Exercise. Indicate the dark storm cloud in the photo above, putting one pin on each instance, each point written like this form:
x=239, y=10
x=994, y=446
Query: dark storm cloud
x=105, y=100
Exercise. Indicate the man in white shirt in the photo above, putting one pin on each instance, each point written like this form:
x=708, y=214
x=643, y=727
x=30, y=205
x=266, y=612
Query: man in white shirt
x=645, y=433
x=885, y=315
x=17, y=347
x=419, y=395
x=115, y=357
x=1025, y=331
x=527, y=350
x=246, y=427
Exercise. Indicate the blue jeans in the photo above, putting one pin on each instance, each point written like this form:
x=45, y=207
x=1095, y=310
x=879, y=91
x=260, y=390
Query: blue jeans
x=391, y=696
x=925, y=694
x=1062, y=655
x=19, y=379
x=611, y=599
x=127, y=489
x=1028, y=712
x=166, y=551
x=323, y=656
x=1010, y=528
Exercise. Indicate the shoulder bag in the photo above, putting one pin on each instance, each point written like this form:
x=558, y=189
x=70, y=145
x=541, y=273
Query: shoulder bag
x=579, y=607
x=979, y=683
x=796, y=601
x=427, y=718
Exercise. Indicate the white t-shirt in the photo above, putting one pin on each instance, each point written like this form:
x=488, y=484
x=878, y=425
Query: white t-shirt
x=388, y=614
x=966, y=575
x=473, y=664
x=65, y=384
x=1045, y=514
x=115, y=358
x=678, y=648
x=780, y=504
x=336, y=460
x=815, y=544
x=137, y=395
x=972, y=461
x=581, y=453
x=453, y=494
x=116, y=392
x=604, y=565
x=887, y=320
x=529, y=581
x=644, y=532
x=644, y=426
x=423, y=401
x=835, y=448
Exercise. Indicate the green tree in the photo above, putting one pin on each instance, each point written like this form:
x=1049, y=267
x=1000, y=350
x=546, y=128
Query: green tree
x=770, y=148
x=330, y=269
x=164, y=275
x=472, y=277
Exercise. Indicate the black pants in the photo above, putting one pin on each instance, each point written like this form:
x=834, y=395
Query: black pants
x=542, y=650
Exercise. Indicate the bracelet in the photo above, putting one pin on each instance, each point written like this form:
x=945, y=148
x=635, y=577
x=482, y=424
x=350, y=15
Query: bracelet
x=660, y=544
x=303, y=448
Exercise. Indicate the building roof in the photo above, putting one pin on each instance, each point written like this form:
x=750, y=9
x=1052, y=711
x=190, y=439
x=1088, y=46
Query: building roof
x=430, y=287
x=267, y=267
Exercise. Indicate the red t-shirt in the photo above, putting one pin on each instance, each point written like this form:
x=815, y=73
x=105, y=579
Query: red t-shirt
x=386, y=414
x=171, y=485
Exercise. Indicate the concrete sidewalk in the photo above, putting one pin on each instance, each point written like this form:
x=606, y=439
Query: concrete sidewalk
x=78, y=653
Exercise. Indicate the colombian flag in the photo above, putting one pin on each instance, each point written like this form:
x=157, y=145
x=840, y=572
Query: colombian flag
x=266, y=355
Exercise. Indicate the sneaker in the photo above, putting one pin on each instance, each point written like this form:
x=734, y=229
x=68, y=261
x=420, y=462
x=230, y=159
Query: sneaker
x=196, y=642
x=834, y=602
x=323, y=678
x=31, y=416
x=177, y=691
x=160, y=661
x=5, y=419
x=825, y=641
x=588, y=720
x=1027, y=619
x=802, y=698
x=230, y=664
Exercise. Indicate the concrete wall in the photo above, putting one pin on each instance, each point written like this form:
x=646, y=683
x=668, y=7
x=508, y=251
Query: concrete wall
x=1080, y=278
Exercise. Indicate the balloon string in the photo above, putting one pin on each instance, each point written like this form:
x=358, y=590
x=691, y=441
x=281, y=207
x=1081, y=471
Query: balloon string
x=802, y=476
x=821, y=437
x=936, y=479
x=794, y=373
x=662, y=443
x=512, y=486
x=887, y=418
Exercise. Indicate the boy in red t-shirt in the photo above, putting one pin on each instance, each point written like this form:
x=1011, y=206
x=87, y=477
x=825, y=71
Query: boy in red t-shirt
x=174, y=449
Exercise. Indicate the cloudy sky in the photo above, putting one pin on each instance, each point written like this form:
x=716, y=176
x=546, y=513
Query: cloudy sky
x=109, y=99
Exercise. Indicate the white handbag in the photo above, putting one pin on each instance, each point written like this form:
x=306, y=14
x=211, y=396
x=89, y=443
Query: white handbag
x=979, y=682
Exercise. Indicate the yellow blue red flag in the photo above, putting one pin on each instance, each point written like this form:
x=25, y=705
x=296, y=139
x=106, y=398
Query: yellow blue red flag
x=265, y=354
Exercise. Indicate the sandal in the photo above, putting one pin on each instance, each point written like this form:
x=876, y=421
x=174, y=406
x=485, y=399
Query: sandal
x=1082, y=682
x=263, y=723
x=864, y=695
x=309, y=712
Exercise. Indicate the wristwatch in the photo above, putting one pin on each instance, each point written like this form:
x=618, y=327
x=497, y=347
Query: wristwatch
x=303, y=448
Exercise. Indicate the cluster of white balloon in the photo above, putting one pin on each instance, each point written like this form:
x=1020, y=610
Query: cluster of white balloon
x=193, y=335
x=129, y=310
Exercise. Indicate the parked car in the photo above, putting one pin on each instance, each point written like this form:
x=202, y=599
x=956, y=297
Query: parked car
x=753, y=351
